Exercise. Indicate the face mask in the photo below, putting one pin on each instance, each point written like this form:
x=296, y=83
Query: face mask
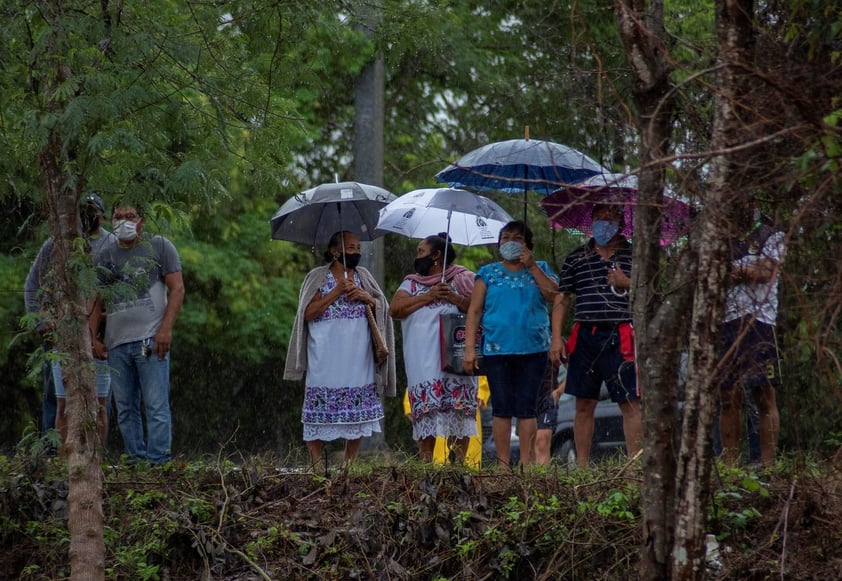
x=423, y=265
x=90, y=223
x=125, y=230
x=351, y=260
x=511, y=250
x=604, y=231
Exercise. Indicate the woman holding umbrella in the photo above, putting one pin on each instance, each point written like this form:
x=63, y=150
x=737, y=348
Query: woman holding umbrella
x=343, y=383
x=442, y=404
x=510, y=301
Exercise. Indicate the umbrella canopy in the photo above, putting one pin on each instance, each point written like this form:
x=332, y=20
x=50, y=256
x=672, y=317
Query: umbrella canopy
x=520, y=165
x=314, y=215
x=572, y=206
x=468, y=218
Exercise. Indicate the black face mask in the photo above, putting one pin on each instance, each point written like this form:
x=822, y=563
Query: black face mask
x=423, y=265
x=350, y=260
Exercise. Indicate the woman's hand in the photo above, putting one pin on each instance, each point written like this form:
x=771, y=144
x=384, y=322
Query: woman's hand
x=356, y=293
x=469, y=361
x=526, y=258
x=439, y=292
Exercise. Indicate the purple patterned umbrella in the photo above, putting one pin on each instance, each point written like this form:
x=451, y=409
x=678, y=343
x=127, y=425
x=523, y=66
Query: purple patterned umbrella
x=572, y=206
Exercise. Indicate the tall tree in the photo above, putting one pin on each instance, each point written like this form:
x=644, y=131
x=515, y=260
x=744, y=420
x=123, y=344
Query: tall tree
x=149, y=101
x=748, y=158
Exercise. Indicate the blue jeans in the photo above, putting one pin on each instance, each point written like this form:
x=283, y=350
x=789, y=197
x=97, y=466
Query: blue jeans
x=103, y=380
x=136, y=377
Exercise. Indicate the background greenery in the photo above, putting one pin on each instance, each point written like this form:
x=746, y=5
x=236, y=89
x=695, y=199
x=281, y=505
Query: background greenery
x=217, y=113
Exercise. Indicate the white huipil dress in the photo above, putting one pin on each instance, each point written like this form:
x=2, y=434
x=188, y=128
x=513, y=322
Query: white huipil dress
x=340, y=398
x=443, y=404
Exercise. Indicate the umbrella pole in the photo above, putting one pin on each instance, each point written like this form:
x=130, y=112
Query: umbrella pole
x=446, y=242
x=342, y=241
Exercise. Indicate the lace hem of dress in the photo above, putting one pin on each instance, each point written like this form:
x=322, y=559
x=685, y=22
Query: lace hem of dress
x=444, y=425
x=327, y=433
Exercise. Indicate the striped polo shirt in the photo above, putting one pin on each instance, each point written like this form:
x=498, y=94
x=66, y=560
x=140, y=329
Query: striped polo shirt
x=585, y=274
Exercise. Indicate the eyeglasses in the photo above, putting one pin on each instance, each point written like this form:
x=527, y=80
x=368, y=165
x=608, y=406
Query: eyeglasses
x=130, y=216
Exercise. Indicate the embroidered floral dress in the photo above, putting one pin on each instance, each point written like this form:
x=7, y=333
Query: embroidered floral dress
x=442, y=404
x=340, y=398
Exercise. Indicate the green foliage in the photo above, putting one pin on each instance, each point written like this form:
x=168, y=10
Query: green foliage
x=215, y=115
x=737, y=501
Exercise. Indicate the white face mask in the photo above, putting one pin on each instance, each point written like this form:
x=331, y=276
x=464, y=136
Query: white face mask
x=511, y=250
x=125, y=230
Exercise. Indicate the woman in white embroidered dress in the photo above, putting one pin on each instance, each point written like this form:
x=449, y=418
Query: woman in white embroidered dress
x=331, y=342
x=443, y=404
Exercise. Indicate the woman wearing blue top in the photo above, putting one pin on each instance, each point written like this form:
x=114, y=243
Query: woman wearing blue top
x=510, y=301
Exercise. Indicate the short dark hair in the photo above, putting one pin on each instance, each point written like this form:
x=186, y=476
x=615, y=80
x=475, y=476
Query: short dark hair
x=139, y=207
x=518, y=226
x=438, y=242
x=616, y=210
x=335, y=242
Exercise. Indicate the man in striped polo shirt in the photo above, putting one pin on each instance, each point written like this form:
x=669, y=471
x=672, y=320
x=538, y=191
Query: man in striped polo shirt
x=601, y=343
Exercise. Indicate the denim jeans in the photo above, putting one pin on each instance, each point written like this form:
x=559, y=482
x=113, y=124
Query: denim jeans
x=136, y=377
x=103, y=380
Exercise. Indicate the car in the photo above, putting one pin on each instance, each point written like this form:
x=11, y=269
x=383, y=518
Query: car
x=608, y=437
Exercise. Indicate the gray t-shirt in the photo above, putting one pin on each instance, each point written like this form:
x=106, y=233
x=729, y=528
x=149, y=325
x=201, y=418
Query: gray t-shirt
x=36, y=289
x=136, y=294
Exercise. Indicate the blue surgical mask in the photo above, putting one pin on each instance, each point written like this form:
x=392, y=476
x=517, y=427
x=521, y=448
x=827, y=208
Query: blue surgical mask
x=604, y=231
x=511, y=250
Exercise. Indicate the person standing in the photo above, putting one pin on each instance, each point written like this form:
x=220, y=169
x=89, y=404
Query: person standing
x=142, y=293
x=601, y=343
x=37, y=296
x=749, y=343
x=445, y=449
x=547, y=413
x=509, y=301
x=443, y=404
x=330, y=343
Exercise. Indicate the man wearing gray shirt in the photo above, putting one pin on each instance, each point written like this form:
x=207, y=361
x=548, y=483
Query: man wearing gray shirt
x=143, y=293
x=38, y=300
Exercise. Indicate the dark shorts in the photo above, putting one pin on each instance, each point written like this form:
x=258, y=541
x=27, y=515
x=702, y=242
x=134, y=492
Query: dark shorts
x=514, y=381
x=600, y=353
x=749, y=355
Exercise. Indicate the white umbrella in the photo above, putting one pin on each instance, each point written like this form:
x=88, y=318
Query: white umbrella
x=469, y=219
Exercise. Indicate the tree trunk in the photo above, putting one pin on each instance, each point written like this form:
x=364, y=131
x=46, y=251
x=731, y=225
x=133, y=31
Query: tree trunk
x=722, y=203
x=85, y=521
x=657, y=318
x=369, y=95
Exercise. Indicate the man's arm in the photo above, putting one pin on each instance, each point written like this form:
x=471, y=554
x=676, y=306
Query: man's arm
x=95, y=314
x=175, y=298
x=561, y=306
x=35, y=277
x=763, y=271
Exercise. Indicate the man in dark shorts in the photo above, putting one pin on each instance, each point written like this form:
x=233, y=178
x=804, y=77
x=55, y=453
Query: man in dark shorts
x=749, y=343
x=601, y=343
